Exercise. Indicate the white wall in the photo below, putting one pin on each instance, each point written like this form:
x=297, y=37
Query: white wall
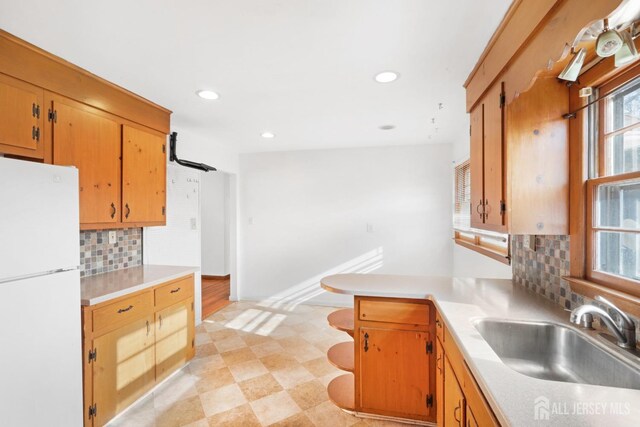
x=215, y=223
x=177, y=243
x=304, y=215
x=468, y=263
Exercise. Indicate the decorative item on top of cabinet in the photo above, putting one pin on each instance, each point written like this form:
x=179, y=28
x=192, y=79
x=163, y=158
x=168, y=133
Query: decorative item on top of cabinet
x=133, y=342
x=144, y=170
x=21, y=118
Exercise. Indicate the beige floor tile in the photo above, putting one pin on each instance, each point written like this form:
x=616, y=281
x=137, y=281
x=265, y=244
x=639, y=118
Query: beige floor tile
x=137, y=419
x=202, y=338
x=259, y=387
x=266, y=348
x=247, y=370
x=326, y=344
x=305, y=352
x=309, y=394
x=229, y=344
x=254, y=339
x=320, y=367
x=292, y=341
x=206, y=350
x=241, y=416
x=200, y=423
x=212, y=325
x=292, y=376
x=211, y=380
x=222, y=399
x=275, y=362
x=274, y=408
x=222, y=334
x=328, y=414
x=279, y=332
x=298, y=420
x=238, y=356
x=209, y=363
x=327, y=378
x=181, y=413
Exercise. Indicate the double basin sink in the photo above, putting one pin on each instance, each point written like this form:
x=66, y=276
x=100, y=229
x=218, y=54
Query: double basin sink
x=551, y=351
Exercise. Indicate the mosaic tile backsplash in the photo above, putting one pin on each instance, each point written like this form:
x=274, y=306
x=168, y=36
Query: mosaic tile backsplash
x=542, y=271
x=98, y=256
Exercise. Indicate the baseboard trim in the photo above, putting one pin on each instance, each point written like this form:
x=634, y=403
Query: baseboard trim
x=207, y=277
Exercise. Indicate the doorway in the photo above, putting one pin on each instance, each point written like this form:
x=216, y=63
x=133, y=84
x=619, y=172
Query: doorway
x=216, y=229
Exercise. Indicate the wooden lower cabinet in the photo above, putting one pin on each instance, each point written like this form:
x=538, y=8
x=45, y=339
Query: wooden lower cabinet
x=174, y=338
x=142, y=343
x=460, y=402
x=123, y=369
x=394, y=363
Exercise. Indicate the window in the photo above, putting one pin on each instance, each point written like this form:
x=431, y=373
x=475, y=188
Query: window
x=613, y=192
x=494, y=245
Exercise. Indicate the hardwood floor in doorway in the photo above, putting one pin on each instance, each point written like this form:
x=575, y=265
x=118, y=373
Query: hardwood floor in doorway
x=215, y=294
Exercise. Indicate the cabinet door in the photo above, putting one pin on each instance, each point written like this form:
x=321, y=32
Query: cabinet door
x=394, y=372
x=89, y=140
x=493, y=158
x=21, y=118
x=174, y=338
x=123, y=369
x=471, y=419
x=439, y=383
x=144, y=166
x=477, y=166
x=453, y=398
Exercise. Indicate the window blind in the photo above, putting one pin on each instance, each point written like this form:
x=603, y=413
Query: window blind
x=462, y=209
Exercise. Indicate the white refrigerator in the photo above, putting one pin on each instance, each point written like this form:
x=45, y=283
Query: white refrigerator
x=40, y=321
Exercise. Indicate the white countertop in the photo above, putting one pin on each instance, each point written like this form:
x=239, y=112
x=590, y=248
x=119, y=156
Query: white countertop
x=511, y=394
x=106, y=286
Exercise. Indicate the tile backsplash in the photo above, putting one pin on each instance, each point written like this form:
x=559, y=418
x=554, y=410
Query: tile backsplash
x=542, y=271
x=97, y=255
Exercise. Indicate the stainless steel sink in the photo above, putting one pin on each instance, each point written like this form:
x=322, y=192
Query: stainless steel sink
x=554, y=352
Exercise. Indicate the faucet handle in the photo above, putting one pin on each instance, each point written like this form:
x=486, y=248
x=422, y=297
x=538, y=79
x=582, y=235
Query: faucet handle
x=623, y=316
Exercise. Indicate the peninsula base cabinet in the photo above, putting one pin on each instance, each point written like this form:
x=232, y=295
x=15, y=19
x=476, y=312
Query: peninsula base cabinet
x=459, y=401
x=394, y=370
x=133, y=342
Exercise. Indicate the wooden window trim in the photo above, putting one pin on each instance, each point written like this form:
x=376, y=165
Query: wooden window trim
x=607, y=77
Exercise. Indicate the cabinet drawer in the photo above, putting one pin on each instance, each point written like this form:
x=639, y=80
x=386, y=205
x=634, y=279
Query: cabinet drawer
x=122, y=312
x=439, y=327
x=394, y=312
x=174, y=292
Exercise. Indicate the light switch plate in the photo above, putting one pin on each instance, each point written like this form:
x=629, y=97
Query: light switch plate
x=112, y=237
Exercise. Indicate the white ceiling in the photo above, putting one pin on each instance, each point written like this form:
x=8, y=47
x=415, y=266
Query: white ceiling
x=302, y=69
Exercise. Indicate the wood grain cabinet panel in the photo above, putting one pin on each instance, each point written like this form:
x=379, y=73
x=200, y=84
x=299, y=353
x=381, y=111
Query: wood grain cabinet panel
x=477, y=166
x=21, y=118
x=493, y=171
x=454, y=404
x=394, y=372
x=89, y=139
x=144, y=168
x=439, y=383
x=123, y=369
x=174, y=338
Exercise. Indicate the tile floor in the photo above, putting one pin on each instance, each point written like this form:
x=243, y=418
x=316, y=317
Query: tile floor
x=255, y=365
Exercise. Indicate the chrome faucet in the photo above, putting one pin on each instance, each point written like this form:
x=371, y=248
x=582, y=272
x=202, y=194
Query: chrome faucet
x=625, y=332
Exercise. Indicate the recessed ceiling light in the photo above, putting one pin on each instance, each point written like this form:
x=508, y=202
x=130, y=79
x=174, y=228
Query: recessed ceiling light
x=207, y=94
x=386, y=76
x=386, y=127
x=268, y=135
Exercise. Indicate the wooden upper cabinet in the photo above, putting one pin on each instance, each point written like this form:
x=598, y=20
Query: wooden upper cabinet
x=21, y=118
x=394, y=372
x=477, y=166
x=493, y=172
x=144, y=168
x=89, y=139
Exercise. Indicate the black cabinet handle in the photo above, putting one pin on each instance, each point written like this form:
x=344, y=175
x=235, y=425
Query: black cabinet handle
x=126, y=215
x=113, y=210
x=366, y=342
x=124, y=310
x=173, y=291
